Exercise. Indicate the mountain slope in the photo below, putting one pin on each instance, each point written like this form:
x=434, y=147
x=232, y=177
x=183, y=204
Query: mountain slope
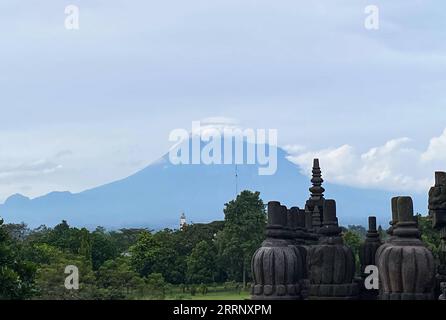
x=155, y=197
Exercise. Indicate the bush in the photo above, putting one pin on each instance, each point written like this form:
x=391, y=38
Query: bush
x=156, y=286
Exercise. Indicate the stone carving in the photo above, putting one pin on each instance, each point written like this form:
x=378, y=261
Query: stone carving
x=372, y=243
x=301, y=237
x=367, y=254
x=437, y=197
x=406, y=266
x=316, y=202
x=443, y=291
x=311, y=236
x=392, y=223
x=331, y=264
x=304, y=256
x=308, y=219
x=437, y=211
x=278, y=265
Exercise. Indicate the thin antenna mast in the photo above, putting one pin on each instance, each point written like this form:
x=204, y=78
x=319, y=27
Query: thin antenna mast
x=236, y=181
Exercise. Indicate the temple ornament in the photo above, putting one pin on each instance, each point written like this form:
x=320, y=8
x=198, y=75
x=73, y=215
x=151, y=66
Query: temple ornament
x=304, y=255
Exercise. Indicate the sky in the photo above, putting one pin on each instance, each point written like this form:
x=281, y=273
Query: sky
x=80, y=108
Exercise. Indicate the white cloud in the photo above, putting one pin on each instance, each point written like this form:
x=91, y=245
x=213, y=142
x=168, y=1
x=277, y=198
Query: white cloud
x=436, y=150
x=208, y=125
x=159, y=69
x=37, y=167
x=75, y=157
x=394, y=166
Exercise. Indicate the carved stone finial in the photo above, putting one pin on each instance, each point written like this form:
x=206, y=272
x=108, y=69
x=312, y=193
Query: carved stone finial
x=406, y=226
x=311, y=236
x=331, y=264
x=316, y=219
x=317, y=191
x=394, y=203
x=437, y=200
x=278, y=265
x=367, y=253
x=301, y=238
x=394, y=221
x=275, y=215
x=405, y=264
x=308, y=219
x=297, y=220
x=301, y=219
x=437, y=211
x=371, y=244
x=315, y=203
x=440, y=178
x=292, y=216
x=443, y=291
x=372, y=225
x=330, y=226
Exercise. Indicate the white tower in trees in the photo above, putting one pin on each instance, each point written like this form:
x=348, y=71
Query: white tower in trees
x=183, y=222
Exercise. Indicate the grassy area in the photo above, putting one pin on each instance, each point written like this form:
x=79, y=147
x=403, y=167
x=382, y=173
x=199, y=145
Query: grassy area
x=228, y=295
x=231, y=291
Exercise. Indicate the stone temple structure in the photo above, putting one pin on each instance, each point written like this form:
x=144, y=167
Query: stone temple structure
x=406, y=266
x=304, y=255
x=437, y=211
x=278, y=266
x=367, y=253
x=331, y=264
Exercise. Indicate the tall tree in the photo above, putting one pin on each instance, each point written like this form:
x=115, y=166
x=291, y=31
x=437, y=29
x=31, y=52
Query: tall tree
x=429, y=235
x=353, y=240
x=156, y=253
x=143, y=254
x=103, y=247
x=125, y=238
x=51, y=275
x=16, y=274
x=85, y=244
x=201, y=264
x=243, y=233
x=118, y=279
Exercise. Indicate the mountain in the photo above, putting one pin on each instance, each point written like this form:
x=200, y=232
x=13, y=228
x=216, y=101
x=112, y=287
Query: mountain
x=156, y=196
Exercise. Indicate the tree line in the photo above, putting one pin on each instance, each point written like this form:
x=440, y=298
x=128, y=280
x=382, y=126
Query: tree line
x=130, y=263
x=142, y=263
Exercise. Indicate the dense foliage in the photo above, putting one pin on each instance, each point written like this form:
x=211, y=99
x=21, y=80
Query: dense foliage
x=130, y=263
x=16, y=274
x=245, y=221
x=141, y=263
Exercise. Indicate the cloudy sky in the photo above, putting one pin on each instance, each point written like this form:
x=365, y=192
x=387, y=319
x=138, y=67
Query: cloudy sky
x=80, y=108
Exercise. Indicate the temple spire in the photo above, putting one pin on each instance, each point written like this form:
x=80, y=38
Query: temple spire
x=316, y=219
x=317, y=191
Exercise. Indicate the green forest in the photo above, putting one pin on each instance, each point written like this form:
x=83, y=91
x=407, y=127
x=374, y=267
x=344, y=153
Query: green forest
x=204, y=261
x=133, y=263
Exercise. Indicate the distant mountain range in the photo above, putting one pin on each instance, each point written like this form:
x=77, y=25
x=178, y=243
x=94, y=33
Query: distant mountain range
x=156, y=196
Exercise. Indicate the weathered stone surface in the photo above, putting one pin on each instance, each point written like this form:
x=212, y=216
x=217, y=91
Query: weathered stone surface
x=367, y=253
x=437, y=194
x=316, y=201
x=437, y=211
x=371, y=244
x=297, y=219
x=392, y=223
x=278, y=265
x=304, y=254
x=406, y=266
x=443, y=291
x=331, y=264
